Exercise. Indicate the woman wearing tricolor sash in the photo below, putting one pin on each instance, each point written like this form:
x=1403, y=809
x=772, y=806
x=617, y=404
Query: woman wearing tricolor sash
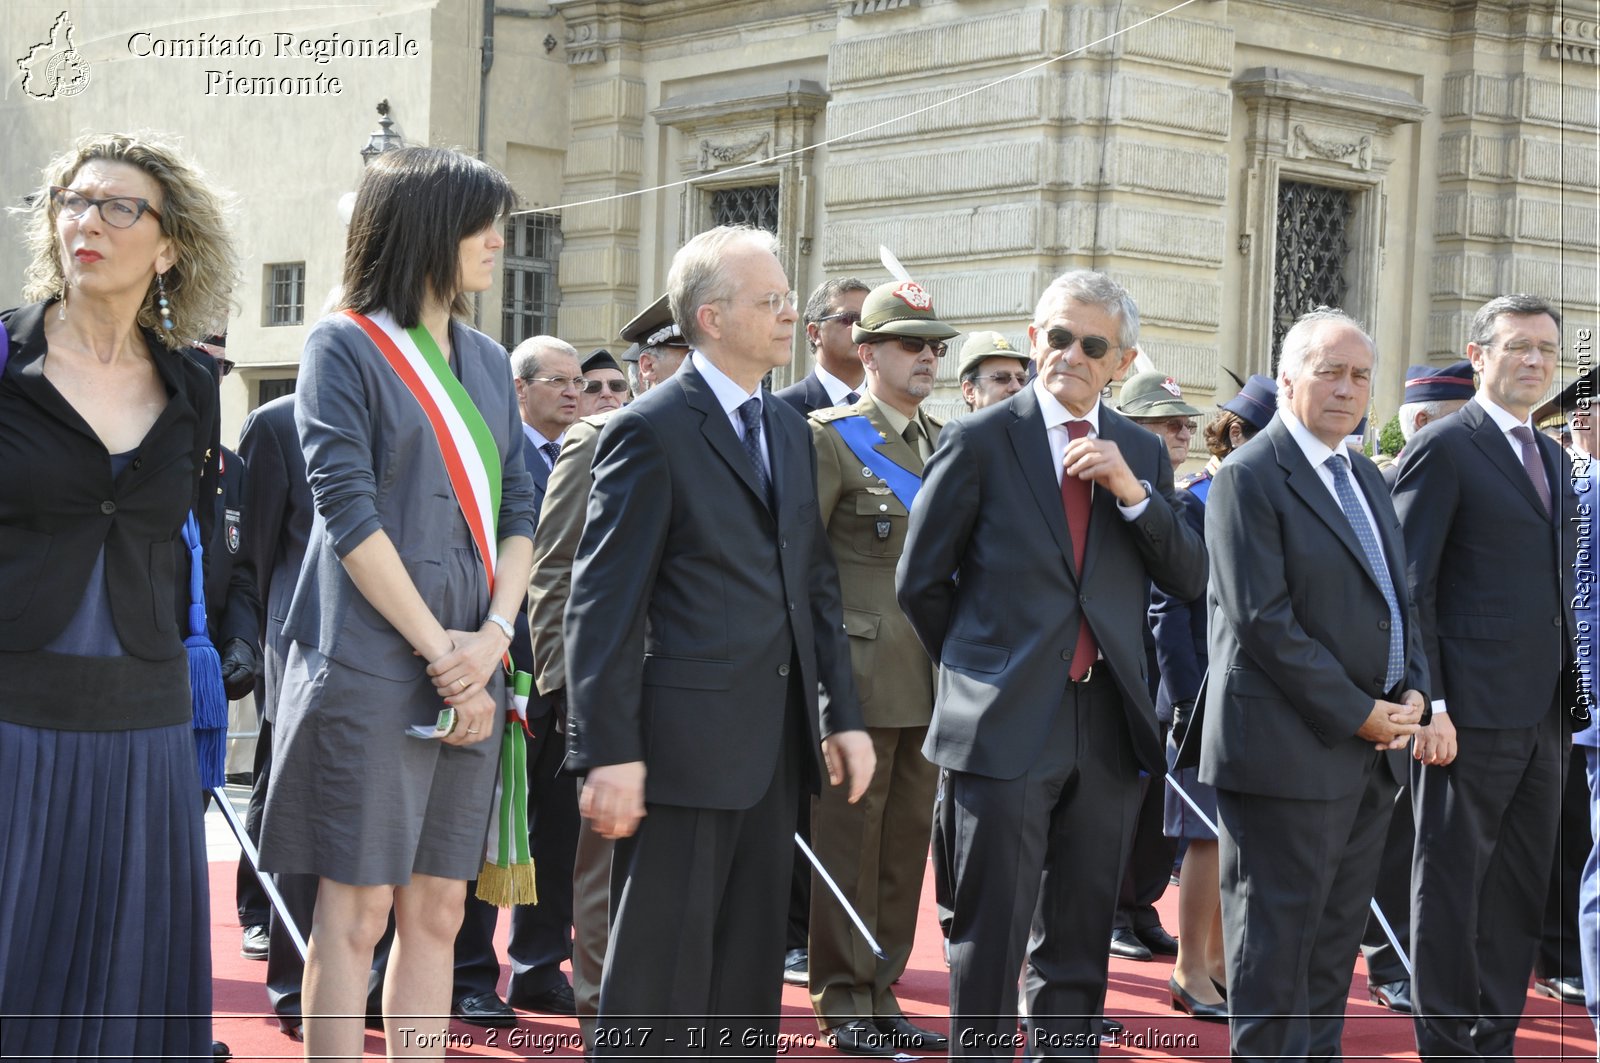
x=418, y=555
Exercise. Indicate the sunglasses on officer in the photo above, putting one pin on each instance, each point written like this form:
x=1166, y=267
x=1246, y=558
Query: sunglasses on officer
x=594, y=387
x=914, y=344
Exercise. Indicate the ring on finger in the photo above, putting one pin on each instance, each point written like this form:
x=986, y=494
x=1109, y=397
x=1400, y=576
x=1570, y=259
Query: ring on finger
x=463, y=683
x=472, y=730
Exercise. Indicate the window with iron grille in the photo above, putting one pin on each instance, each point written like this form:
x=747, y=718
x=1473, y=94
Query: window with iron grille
x=1308, y=268
x=530, y=300
x=275, y=387
x=755, y=205
x=286, y=294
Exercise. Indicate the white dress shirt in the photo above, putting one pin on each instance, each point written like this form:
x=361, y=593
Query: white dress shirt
x=539, y=441
x=731, y=396
x=837, y=389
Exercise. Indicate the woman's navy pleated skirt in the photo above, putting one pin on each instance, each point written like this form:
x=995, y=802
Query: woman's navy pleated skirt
x=105, y=950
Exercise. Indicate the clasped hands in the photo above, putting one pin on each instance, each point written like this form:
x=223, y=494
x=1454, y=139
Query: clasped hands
x=613, y=794
x=461, y=676
x=1390, y=725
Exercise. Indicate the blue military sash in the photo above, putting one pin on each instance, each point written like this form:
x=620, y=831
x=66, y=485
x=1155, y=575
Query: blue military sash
x=862, y=438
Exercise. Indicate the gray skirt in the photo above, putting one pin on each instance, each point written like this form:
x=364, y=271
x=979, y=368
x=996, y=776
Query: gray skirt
x=353, y=798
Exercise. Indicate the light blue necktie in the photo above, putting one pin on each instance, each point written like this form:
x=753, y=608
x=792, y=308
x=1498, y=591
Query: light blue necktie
x=1338, y=465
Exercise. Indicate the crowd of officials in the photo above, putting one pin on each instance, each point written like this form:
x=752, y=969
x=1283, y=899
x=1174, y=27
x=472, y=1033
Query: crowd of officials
x=637, y=622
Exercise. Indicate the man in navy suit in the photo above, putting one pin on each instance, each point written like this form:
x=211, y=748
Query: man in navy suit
x=548, y=379
x=1485, y=500
x=703, y=618
x=1317, y=669
x=839, y=379
x=1026, y=573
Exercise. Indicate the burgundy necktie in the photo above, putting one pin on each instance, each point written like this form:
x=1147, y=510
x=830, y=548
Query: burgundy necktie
x=1532, y=463
x=1075, y=501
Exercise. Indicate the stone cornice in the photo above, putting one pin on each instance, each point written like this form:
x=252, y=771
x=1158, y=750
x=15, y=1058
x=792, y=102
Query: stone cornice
x=1384, y=107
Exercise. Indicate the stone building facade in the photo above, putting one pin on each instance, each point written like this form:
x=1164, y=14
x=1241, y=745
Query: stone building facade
x=1231, y=161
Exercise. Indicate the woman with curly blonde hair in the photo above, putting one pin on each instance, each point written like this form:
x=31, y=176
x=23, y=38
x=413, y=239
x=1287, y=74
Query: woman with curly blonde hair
x=107, y=441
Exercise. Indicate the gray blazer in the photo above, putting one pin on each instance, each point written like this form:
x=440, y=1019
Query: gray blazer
x=374, y=463
x=1299, y=631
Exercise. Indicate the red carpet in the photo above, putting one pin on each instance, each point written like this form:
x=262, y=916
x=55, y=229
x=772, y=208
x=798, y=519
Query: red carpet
x=1137, y=996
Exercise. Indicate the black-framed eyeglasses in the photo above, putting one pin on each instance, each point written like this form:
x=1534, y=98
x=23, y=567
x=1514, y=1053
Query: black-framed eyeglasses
x=915, y=344
x=119, y=212
x=560, y=383
x=844, y=317
x=594, y=387
x=1003, y=378
x=1061, y=339
x=1173, y=425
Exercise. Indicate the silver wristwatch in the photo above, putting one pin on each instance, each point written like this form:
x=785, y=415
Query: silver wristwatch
x=502, y=623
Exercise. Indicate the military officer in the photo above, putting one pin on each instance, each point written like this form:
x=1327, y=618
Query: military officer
x=869, y=466
x=991, y=369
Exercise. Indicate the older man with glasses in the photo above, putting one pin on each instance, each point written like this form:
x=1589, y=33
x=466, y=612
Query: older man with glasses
x=604, y=385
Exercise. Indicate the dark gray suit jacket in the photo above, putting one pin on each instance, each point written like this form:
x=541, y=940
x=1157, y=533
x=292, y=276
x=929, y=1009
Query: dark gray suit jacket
x=987, y=580
x=1299, y=631
x=1491, y=572
x=807, y=394
x=691, y=601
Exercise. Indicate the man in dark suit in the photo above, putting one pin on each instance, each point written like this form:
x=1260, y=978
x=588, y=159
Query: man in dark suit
x=659, y=350
x=704, y=613
x=838, y=378
x=1484, y=499
x=1317, y=668
x=546, y=374
x=877, y=849
x=1039, y=525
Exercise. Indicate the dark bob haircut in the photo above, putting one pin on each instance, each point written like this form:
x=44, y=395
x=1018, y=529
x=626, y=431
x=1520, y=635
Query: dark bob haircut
x=413, y=209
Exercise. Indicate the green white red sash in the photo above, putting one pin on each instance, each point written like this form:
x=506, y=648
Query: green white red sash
x=472, y=463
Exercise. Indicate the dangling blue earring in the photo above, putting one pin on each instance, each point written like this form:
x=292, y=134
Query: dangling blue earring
x=161, y=301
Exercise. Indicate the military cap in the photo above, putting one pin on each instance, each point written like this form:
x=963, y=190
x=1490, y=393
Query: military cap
x=1427, y=383
x=899, y=308
x=653, y=327
x=1153, y=394
x=599, y=358
x=981, y=345
x=1256, y=402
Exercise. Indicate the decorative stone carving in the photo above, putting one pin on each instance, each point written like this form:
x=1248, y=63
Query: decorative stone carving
x=858, y=8
x=1359, y=152
x=715, y=154
x=1574, y=40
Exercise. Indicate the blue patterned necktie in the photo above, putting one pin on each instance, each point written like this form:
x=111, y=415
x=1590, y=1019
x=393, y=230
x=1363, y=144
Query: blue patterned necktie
x=1338, y=465
x=750, y=417
x=551, y=452
x=850, y=399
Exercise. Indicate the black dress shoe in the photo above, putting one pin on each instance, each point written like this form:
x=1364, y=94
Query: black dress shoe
x=902, y=1035
x=1566, y=990
x=484, y=1009
x=1126, y=944
x=293, y=1029
x=1396, y=995
x=253, y=944
x=1184, y=1002
x=1222, y=990
x=1157, y=940
x=858, y=1037
x=221, y=1052
x=557, y=1000
x=796, y=967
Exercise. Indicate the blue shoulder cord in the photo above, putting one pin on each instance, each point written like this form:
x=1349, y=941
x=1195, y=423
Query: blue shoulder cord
x=205, y=669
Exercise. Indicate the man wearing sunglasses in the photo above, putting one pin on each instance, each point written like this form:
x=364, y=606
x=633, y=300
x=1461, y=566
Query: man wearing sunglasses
x=604, y=387
x=991, y=369
x=869, y=464
x=1041, y=523
x=838, y=378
